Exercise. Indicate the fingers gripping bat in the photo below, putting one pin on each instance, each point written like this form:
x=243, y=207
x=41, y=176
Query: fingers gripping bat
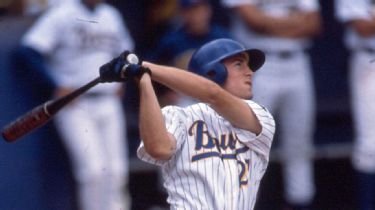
x=41, y=114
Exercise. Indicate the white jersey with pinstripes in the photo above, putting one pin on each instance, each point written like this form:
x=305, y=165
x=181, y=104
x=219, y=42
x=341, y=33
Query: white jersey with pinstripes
x=216, y=166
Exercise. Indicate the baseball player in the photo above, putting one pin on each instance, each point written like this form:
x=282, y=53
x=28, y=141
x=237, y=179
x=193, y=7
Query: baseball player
x=214, y=153
x=282, y=29
x=68, y=44
x=359, y=17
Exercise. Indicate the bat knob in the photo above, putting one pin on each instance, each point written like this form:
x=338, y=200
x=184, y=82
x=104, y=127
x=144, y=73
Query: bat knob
x=116, y=69
x=132, y=58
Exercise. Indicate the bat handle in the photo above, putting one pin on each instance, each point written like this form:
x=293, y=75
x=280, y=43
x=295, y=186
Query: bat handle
x=53, y=108
x=24, y=124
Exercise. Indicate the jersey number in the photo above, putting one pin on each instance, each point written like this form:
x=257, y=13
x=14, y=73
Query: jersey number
x=244, y=171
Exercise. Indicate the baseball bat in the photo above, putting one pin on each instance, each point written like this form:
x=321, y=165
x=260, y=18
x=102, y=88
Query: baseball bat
x=41, y=114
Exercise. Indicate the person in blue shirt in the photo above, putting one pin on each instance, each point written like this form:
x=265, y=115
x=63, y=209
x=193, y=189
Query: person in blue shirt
x=193, y=28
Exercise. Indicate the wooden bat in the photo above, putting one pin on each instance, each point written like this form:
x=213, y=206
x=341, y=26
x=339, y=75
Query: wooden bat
x=41, y=114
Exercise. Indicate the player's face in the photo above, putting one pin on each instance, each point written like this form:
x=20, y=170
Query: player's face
x=197, y=18
x=239, y=80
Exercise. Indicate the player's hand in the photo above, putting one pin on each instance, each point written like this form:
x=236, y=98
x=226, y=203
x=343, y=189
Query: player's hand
x=120, y=69
x=135, y=71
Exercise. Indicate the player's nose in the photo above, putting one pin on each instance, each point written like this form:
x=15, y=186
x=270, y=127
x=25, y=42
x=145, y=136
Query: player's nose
x=249, y=71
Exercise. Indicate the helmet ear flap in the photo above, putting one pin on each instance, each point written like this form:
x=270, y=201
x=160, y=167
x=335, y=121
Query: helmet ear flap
x=216, y=72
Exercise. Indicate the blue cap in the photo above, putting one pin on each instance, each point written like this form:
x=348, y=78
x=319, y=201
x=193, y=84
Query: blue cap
x=189, y=3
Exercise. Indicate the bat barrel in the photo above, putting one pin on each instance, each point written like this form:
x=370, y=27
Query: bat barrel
x=26, y=123
x=41, y=114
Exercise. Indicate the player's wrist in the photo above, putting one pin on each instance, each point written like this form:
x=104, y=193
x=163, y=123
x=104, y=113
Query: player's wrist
x=146, y=70
x=144, y=79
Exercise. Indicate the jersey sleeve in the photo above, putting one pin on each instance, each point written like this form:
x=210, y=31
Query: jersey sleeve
x=174, y=122
x=259, y=143
x=44, y=34
x=347, y=10
x=308, y=5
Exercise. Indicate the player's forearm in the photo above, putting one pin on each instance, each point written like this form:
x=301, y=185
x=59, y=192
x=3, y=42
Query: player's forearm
x=296, y=25
x=151, y=123
x=257, y=20
x=185, y=82
x=307, y=25
x=208, y=92
x=364, y=28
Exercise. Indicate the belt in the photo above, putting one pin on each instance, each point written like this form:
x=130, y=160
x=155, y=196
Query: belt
x=285, y=54
x=94, y=94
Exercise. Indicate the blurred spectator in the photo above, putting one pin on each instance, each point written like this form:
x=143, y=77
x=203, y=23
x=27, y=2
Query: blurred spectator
x=193, y=28
x=27, y=7
x=10, y=8
x=282, y=29
x=67, y=45
x=359, y=19
x=4, y=6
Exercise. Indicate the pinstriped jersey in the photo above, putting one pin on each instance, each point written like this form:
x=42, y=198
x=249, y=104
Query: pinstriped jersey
x=216, y=166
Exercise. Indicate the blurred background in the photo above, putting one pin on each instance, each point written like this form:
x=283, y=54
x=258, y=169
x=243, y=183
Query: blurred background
x=36, y=171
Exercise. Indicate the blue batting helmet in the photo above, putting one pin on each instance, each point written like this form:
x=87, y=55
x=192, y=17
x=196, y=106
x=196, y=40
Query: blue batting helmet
x=207, y=60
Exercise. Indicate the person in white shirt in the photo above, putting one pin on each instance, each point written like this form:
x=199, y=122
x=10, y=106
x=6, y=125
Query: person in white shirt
x=359, y=19
x=68, y=44
x=283, y=30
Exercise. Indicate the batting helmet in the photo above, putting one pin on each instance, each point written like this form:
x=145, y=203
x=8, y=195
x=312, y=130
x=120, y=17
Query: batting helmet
x=207, y=60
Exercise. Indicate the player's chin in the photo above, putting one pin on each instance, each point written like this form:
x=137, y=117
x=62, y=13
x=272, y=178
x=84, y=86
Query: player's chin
x=247, y=94
x=244, y=92
x=250, y=96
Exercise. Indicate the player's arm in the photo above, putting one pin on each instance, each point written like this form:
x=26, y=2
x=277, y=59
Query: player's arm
x=157, y=141
x=298, y=24
x=364, y=27
x=232, y=108
x=361, y=16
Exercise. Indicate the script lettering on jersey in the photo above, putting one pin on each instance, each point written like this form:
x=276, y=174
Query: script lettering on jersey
x=88, y=39
x=225, y=144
